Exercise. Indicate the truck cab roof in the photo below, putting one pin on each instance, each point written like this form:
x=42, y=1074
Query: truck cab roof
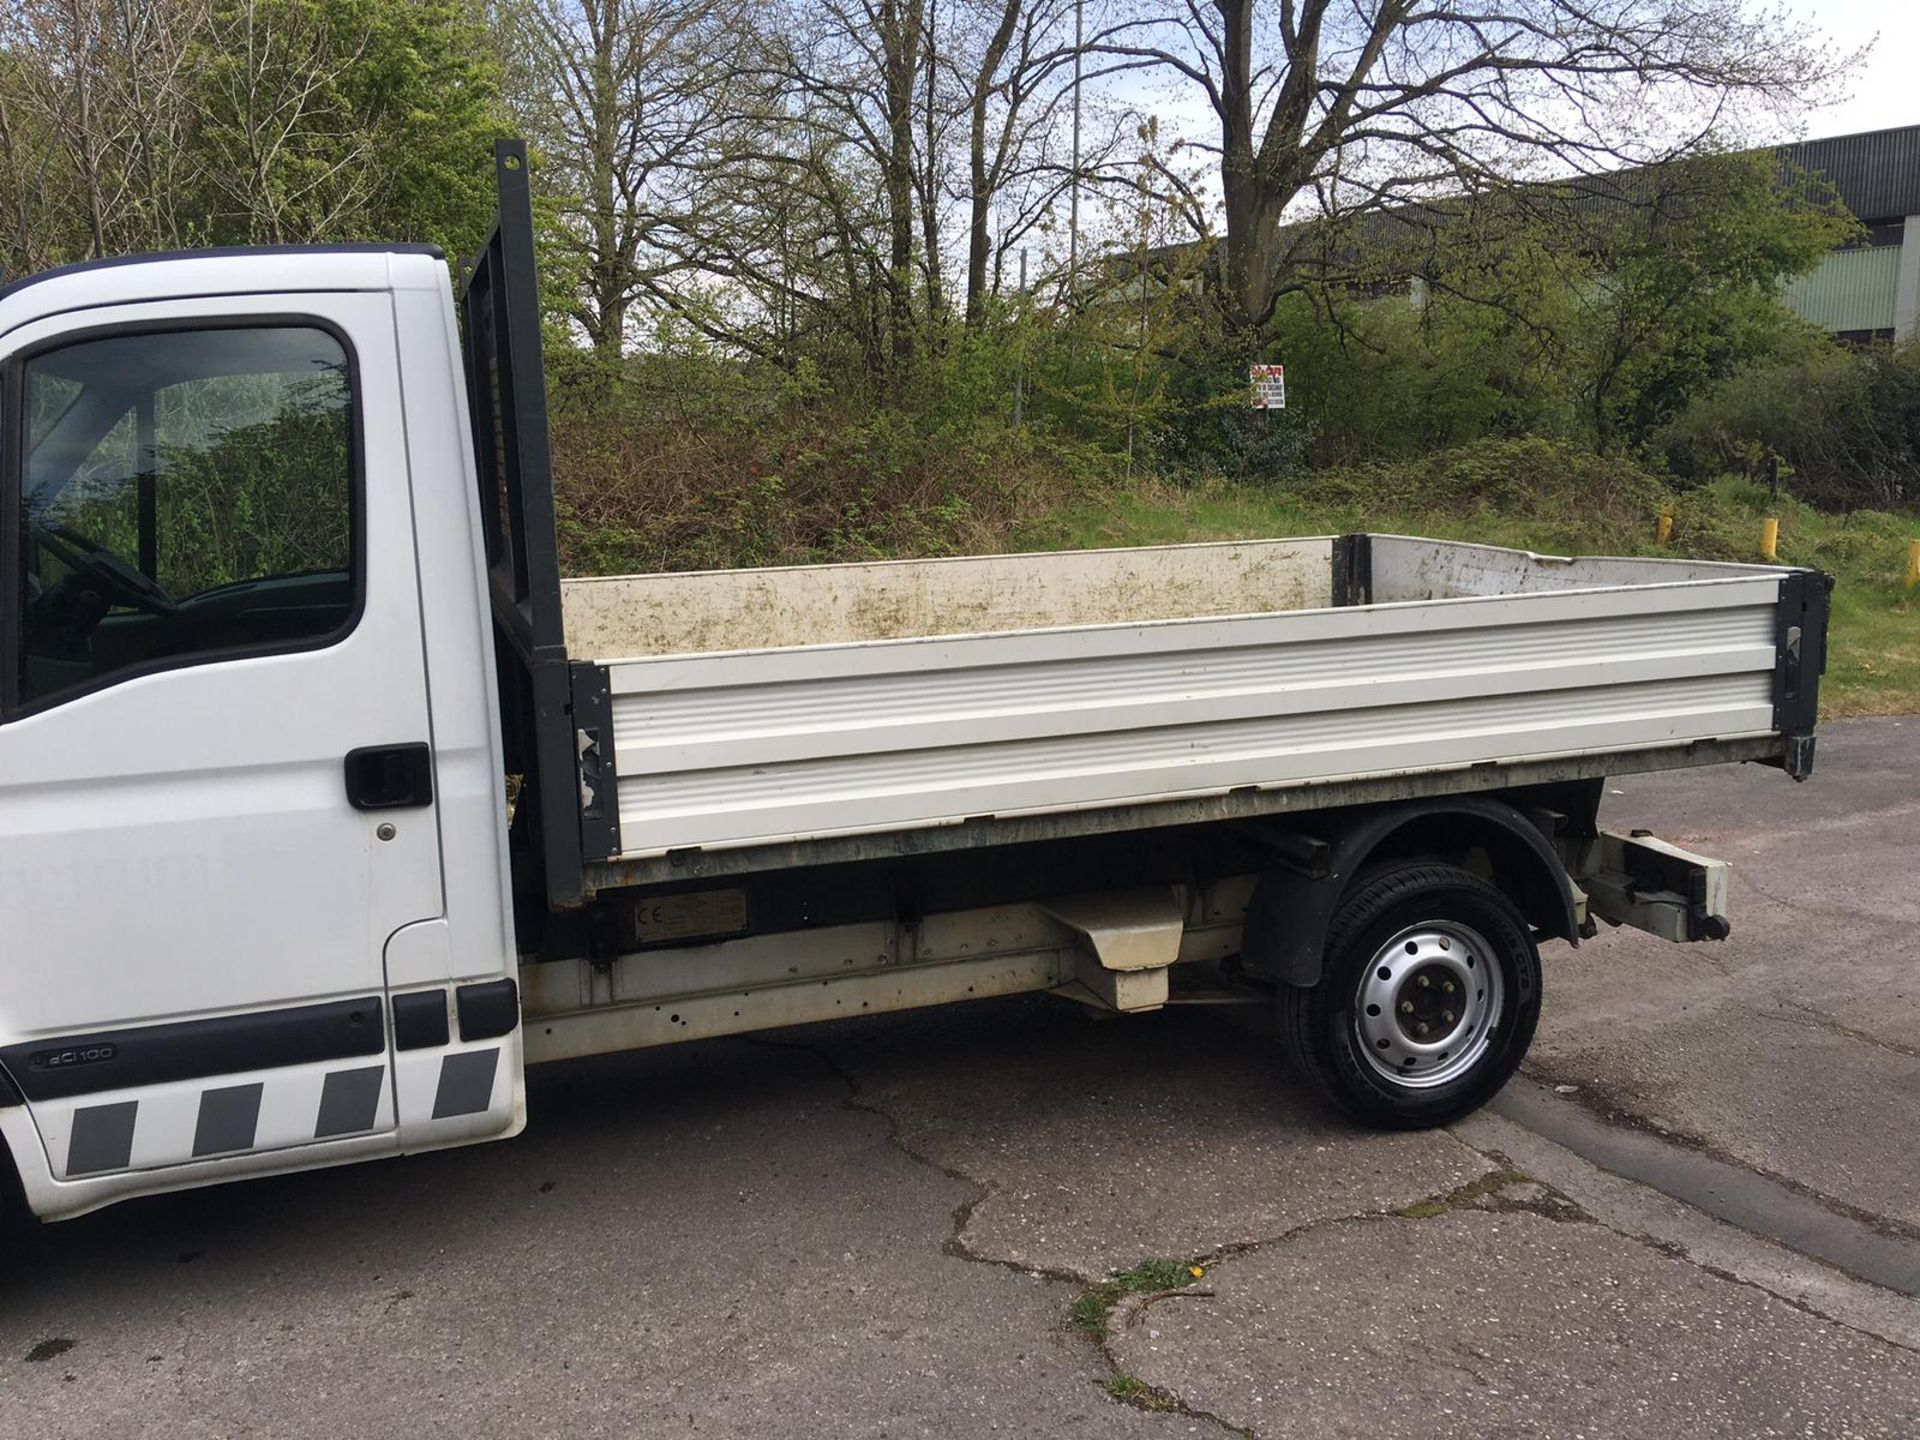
x=133, y=279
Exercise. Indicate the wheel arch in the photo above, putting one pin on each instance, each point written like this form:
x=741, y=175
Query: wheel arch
x=15, y=1208
x=1291, y=908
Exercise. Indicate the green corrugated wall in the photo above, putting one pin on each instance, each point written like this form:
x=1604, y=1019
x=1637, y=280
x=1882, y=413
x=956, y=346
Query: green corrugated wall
x=1850, y=290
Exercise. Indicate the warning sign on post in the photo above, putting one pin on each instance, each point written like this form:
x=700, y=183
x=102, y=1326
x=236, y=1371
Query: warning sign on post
x=1269, y=386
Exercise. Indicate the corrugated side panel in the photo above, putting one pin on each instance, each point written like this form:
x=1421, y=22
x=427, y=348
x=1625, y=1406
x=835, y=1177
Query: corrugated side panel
x=1877, y=173
x=1849, y=290
x=752, y=747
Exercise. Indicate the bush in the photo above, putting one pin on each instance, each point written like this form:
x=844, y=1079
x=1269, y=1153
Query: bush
x=697, y=463
x=1547, y=481
x=1845, y=424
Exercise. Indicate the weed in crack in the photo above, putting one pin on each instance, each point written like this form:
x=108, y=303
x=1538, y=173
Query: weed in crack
x=855, y=1100
x=1132, y=1390
x=1089, y=1312
x=1465, y=1196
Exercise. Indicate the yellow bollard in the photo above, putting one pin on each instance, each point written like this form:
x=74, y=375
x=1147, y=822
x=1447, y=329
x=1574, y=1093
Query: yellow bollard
x=1770, y=539
x=1913, y=563
x=1663, y=528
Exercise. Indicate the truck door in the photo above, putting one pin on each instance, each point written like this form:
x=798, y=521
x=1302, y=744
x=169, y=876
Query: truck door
x=216, y=777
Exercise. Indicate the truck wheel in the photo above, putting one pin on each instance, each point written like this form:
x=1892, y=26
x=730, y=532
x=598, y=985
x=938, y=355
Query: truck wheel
x=18, y=1227
x=1427, y=998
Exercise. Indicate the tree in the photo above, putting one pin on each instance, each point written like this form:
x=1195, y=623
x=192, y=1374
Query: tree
x=29, y=155
x=331, y=120
x=1353, y=106
x=857, y=68
x=1137, y=314
x=633, y=104
x=130, y=125
x=96, y=109
x=1686, y=271
x=783, y=179
x=1589, y=310
x=1013, y=65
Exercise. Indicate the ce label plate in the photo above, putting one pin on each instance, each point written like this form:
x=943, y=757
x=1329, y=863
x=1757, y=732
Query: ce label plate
x=691, y=915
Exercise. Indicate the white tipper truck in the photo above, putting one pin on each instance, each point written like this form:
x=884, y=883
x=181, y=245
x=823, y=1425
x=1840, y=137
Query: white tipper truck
x=282, y=628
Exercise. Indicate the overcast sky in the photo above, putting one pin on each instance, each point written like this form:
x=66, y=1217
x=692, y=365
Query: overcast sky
x=1884, y=93
x=1881, y=93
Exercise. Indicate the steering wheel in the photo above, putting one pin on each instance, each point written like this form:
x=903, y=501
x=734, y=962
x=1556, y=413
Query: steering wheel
x=120, y=582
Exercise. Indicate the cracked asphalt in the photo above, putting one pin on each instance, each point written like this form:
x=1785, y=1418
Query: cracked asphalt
x=880, y=1229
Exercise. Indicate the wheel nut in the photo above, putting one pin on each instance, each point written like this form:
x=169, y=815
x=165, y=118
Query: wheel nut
x=1406, y=1007
x=1424, y=983
x=1446, y=1017
x=1446, y=987
x=1421, y=1028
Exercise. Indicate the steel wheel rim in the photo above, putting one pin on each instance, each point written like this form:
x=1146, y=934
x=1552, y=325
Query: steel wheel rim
x=1405, y=1020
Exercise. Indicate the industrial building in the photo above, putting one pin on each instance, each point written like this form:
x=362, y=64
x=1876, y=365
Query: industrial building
x=1869, y=289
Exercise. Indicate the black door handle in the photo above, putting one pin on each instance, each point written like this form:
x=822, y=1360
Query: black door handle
x=390, y=777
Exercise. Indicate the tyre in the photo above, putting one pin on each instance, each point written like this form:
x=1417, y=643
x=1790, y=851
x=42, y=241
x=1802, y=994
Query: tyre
x=1427, y=1001
x=20, y=1237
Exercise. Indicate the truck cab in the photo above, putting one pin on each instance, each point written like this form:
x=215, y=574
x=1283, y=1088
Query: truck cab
x=250, y=757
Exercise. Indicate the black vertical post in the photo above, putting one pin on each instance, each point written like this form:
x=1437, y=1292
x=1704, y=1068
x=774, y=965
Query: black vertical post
x=149, y=460
x=507, y=390
x=1020, y=361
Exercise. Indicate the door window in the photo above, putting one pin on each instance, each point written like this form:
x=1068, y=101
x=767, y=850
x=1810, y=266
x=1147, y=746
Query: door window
x=184, y=495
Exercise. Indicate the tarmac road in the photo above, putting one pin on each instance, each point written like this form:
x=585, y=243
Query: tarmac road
x=879, y=1229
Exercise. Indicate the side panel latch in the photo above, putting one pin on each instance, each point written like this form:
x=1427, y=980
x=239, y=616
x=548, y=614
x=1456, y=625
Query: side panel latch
x=593, y=754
